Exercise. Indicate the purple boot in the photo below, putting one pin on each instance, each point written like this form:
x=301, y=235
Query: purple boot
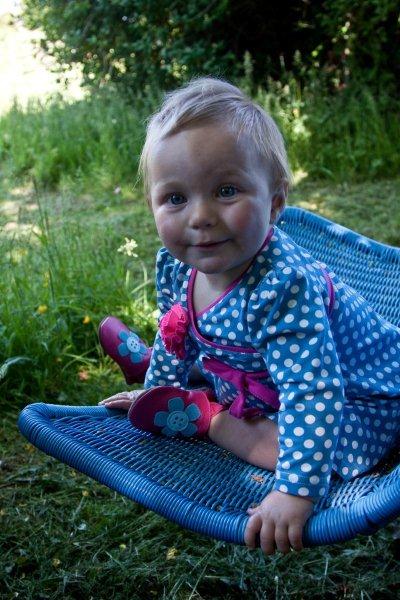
x=126, y=348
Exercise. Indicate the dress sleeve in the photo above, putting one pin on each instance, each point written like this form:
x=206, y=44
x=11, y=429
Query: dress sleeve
x=165, y=368
x=288, y=323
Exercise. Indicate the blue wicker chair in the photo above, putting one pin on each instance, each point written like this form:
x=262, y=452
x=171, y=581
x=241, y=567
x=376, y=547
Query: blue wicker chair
x=207, y=489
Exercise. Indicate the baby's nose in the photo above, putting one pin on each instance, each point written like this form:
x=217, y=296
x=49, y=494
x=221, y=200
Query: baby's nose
x=202, y=214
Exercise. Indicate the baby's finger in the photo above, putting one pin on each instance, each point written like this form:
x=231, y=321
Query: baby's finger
x=282, y=539
x=295, y=533
x=115, y=397
x=267, y=537
x=125, y=396
x=252, y=529
x=123, y=403
x=252, y=510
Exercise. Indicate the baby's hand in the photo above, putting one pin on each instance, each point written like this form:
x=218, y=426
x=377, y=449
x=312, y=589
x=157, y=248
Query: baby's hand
x=279, y=520
x=122, y=400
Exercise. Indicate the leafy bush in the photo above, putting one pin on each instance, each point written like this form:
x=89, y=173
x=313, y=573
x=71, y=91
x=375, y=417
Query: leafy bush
x=151, y=44
x=137, y=44
x=361, y=41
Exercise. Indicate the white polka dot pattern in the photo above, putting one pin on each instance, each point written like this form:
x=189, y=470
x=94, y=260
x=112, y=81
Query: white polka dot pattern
x=338, y=375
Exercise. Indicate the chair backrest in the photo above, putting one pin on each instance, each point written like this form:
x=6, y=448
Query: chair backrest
x=372, y=268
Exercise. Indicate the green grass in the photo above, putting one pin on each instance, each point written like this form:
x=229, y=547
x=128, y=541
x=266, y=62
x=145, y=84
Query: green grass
x=65, y=536
x=62, y=273
x=61, y=142
x=62, y=534
x=371, y=208
x=347, y=136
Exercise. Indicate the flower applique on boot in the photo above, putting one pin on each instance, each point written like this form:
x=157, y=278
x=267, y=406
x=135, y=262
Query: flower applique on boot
x=172, y=411
x=126, y=348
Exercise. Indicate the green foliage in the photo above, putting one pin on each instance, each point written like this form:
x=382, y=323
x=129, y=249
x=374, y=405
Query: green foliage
x=356, y=136
x=349, y=135
x=136, y=44
x=55, y=140
x=144, y=44
x=361, y=41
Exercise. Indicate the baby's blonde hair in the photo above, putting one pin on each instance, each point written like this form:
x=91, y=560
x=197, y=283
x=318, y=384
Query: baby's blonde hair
x=208, y=99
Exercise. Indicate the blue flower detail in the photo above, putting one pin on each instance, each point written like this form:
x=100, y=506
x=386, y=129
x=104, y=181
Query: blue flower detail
x=178, y=418
x=131, y=345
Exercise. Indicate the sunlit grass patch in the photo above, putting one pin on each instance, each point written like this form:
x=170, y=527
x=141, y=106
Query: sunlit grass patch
x=26, y=71
x=56, y=141
x=370, y=208
x=350, y=135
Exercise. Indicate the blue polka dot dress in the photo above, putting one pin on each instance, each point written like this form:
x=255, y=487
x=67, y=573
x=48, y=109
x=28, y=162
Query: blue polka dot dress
x=311, y=354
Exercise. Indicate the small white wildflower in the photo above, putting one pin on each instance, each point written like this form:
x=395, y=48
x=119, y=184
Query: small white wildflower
x=129, y=247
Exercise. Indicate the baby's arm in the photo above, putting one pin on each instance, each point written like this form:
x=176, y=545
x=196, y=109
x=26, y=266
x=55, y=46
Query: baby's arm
x=279, y=522
x=280, y=517
x=300, y=354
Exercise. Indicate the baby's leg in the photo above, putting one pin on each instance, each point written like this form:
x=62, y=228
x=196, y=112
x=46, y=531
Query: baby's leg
x=253, y=440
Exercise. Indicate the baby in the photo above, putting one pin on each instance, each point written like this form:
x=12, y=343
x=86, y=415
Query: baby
x=303, y=374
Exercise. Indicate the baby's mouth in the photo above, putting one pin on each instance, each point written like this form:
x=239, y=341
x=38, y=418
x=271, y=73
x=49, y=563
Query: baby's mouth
x=210, y=244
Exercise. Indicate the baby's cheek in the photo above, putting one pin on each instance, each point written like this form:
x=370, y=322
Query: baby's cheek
x=251, y=225
x=168, y=229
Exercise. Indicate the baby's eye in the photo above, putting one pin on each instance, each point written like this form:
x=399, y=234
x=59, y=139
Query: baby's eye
x=176, y=199
x=227, y=191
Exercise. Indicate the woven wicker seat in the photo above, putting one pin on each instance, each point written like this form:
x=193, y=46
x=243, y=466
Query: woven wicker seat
x=207, y=489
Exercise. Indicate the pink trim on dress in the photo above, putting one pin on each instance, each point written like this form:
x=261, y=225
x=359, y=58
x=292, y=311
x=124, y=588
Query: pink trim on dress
x=236, y=281
x=225, y=293
x=193, y=316
x=243, y=382
x=197, y=333
x=331, y=290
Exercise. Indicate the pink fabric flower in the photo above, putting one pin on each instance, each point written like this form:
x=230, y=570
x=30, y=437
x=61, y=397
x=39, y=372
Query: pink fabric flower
x=173, y=328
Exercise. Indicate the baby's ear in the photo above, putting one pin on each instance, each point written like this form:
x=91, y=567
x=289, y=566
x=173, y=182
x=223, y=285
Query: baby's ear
x=279, y=200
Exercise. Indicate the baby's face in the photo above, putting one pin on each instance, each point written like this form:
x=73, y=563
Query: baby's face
x=211, y=199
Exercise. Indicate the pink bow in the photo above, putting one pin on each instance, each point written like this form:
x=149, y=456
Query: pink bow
x=173, y=328
x=243, y=382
